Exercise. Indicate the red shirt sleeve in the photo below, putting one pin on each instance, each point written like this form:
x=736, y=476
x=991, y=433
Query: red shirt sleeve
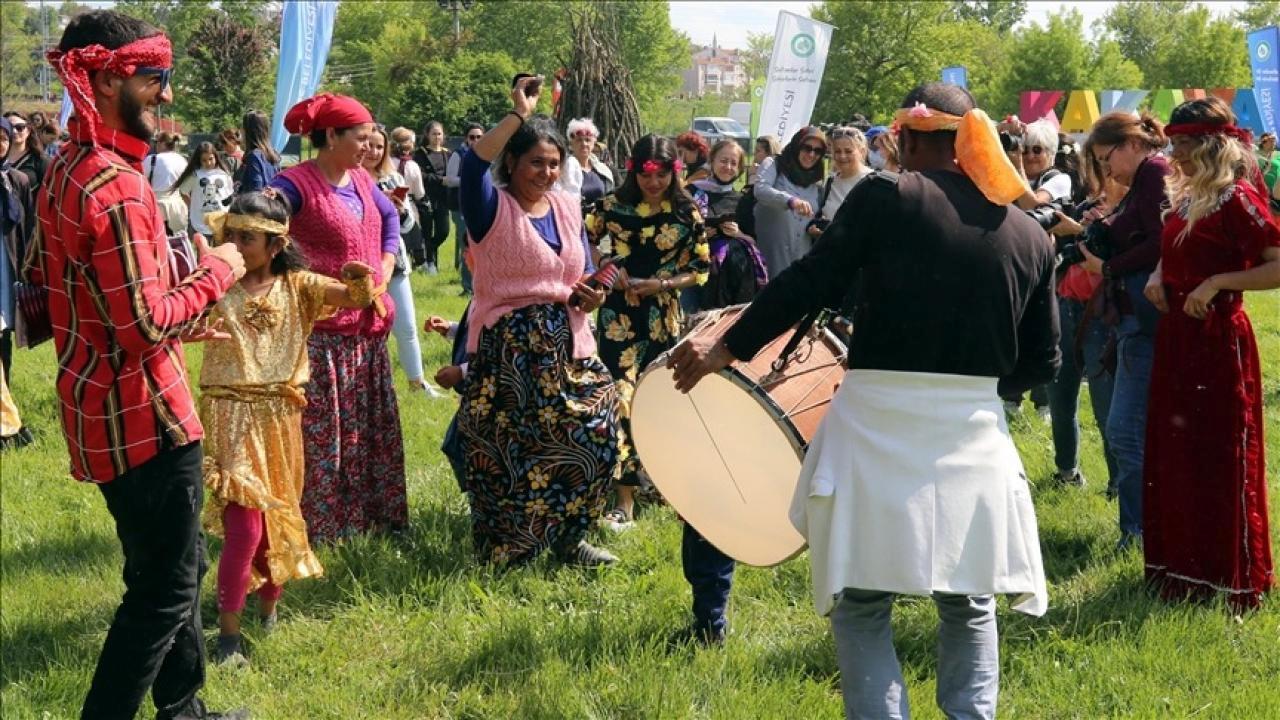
x=125, y=265
x=1250, y=221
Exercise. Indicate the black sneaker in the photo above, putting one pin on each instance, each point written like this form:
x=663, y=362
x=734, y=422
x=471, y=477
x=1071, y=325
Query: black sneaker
x=706, y=637
x=1072, y=478
x=587, y=555
x=195, y=710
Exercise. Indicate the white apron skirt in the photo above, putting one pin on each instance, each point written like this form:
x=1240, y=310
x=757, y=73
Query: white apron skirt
x=913, y=485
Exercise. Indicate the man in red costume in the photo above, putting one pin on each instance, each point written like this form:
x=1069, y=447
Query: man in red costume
x=118, y=316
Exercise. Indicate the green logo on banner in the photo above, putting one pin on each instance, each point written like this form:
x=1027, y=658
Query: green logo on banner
x=802, y=45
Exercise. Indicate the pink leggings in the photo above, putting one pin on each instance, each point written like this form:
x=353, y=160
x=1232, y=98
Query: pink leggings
x=245, y=548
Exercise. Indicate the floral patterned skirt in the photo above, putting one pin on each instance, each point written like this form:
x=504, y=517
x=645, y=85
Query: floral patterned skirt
x=354, y=453
x=540, y=434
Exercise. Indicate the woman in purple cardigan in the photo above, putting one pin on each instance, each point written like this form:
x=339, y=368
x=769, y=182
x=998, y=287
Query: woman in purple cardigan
x=355, y=481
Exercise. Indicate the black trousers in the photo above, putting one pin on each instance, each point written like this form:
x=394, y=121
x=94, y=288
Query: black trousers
x=155, y=641
x=435, y=230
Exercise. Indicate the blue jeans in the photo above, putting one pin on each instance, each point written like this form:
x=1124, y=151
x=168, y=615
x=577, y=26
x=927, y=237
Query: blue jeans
x=871, y=678
x=460, y=243
x=1064, y=391
x=1127, y=421
x=710, y=576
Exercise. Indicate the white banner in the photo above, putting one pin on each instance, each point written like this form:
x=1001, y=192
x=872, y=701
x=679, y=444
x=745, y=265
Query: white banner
x=795, y=73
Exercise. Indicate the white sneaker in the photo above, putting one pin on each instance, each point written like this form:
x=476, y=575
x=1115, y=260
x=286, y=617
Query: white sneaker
x=1012, y=407
x=426, y=387
x=432, y=269
x=616, y=520
x=1044, y=413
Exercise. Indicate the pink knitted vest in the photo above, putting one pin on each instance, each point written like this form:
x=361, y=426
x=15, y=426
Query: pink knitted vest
x=330, y=235
x=514, y=268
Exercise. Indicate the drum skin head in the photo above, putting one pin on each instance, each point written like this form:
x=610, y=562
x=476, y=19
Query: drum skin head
x=722, y=461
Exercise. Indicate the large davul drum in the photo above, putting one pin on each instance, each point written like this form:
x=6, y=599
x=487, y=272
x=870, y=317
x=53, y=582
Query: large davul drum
x=727, y=455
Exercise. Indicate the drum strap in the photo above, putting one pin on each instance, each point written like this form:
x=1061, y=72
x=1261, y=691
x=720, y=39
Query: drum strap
x=802, y=331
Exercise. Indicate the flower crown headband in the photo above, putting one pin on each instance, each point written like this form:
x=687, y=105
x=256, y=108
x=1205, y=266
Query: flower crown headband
x=222, y=220
x=653, y=166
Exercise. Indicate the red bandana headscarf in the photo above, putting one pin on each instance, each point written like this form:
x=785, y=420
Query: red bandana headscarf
x=325, y=111
x=1201, y=129
x=75, y=65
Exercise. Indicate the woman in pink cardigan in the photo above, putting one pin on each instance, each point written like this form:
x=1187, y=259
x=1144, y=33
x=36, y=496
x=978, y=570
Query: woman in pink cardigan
x=354, y=453
x=539, y=413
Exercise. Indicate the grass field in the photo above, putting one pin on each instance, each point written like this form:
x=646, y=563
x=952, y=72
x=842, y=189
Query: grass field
x=412, y=628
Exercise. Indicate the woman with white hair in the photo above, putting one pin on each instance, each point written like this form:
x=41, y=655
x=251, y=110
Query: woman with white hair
x=1035, y=162
x=583, y=173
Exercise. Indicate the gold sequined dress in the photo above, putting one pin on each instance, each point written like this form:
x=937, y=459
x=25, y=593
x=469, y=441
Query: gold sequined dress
x=251, y=405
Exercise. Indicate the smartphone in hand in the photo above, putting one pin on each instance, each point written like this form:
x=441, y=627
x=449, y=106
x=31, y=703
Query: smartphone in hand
x=533, y=87
x=400, y=193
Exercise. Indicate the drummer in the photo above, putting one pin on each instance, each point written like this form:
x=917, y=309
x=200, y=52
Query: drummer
x=912, y=484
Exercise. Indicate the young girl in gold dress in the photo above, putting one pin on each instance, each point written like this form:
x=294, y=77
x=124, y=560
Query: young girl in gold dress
x=252, y=381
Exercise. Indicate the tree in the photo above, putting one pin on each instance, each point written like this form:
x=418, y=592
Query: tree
x=228, y=71
x=1258, y=14
x=19, y=51
x=756, y=55
x=1111, y=70
x=879, y=52
x=1053, y=57
x=999, y=15
x=1178, y=45
x=467, y=86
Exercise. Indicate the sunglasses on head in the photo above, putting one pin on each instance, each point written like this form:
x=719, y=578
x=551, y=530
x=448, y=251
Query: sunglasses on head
x=165, y=74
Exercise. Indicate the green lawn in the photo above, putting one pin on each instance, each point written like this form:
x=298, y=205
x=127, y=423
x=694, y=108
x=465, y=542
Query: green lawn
x=414, y=629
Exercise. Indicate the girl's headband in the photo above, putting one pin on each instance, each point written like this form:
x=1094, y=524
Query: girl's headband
x=222, y=220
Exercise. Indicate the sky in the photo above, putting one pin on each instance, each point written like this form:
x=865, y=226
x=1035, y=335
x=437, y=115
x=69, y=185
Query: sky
x=731, y=21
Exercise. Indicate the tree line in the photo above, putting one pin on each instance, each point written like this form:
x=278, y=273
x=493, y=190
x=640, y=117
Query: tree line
x=404, y=61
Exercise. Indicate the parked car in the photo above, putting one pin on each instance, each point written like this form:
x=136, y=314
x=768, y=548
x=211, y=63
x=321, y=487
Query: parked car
x=715, y=129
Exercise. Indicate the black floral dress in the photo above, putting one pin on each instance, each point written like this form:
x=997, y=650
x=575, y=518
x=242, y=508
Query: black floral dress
x=633, y=331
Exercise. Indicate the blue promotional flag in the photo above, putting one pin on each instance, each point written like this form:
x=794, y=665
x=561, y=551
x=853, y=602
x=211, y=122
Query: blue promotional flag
x=956, y=75
x=306, y=30
x=1264, y=45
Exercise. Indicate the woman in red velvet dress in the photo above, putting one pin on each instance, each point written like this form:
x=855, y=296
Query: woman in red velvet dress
x=1204, y=490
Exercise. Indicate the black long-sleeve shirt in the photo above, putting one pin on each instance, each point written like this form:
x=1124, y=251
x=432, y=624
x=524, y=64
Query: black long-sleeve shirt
x=947, y=283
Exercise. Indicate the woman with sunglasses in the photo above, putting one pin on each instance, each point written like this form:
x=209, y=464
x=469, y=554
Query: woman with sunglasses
x=788, y=195
x=26, y=152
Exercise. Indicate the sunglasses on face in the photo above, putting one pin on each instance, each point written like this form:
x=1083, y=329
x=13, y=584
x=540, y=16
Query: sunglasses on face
x=474, y=137
x=165, y=74
x=19, y=127
x=1033, y=150
x=814, y=149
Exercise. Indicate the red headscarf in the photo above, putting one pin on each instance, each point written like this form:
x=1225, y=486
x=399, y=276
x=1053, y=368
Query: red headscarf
x=325, y=111
x=74, y=66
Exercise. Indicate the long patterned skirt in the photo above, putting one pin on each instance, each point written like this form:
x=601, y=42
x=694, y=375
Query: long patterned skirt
x=540, y=432
x=355, y=480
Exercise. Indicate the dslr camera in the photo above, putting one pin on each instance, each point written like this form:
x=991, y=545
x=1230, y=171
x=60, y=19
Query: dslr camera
x=1096, y=237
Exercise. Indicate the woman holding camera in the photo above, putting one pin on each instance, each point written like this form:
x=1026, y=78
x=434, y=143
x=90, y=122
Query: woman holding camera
x=1126, y=147
x=1205, y=527
x=1084, y=334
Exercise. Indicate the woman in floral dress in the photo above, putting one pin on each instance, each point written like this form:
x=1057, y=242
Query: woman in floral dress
x=654, y=230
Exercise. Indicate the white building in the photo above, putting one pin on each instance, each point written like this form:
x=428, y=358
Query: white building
x=715, y=71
